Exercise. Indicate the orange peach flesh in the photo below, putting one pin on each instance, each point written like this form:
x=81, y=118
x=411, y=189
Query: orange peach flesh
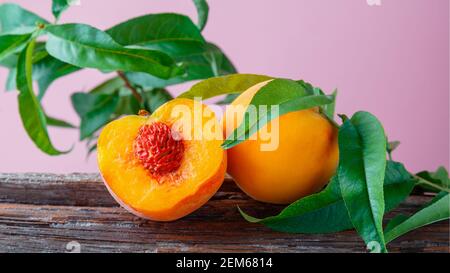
x=178, y=193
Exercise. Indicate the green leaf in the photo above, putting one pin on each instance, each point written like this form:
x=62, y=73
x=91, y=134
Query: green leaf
x=200, y=60
x=437, y=210
x=147, y=81
x=31, y=112
x=293, y=98
x=252, y=123
x=179, y=38
x=85, y=46
x=308, y=87
x=328, y=109
x=83, y=103
x=12, y=43
x=211, y=61
x=14, y=18
x=51, y=121
x=10, y=61
x=434, y=181
x=398, y=185
x=155, y=98
x=362, y=165
x=46, y=70
x=127, y=105
x=235, y=83
x=325, y=212
x=104, y=102
x=39, y=52
x=98, y=117
x=228, y=99
x=203, y=59
x=95, y=110
x=156, y=28
x=11, y=80
x=202, y=11
x=59, y=6
x=49, y=69
x=109, y=86
x=397, y=220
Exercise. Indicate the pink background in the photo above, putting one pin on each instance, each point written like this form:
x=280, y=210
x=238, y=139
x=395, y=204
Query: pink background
x=391, y=60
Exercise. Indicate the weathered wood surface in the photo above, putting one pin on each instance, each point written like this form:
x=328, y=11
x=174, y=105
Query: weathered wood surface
x=44, y=212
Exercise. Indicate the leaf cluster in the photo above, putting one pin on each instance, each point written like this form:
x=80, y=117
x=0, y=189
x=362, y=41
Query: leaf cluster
x=147, y=54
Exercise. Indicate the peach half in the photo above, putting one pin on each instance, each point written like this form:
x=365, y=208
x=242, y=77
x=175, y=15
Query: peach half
x=165, y=165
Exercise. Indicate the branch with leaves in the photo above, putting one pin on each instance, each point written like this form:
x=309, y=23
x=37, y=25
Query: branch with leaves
x=148, y=53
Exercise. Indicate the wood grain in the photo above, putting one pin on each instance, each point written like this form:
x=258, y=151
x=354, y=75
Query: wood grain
x=44, y=212
x=77, y=189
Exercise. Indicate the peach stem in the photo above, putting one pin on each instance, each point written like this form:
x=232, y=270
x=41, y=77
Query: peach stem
x=130, y=86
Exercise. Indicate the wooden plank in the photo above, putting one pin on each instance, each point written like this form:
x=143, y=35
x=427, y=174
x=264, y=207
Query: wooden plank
x=77, y=189
x=216, y=227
